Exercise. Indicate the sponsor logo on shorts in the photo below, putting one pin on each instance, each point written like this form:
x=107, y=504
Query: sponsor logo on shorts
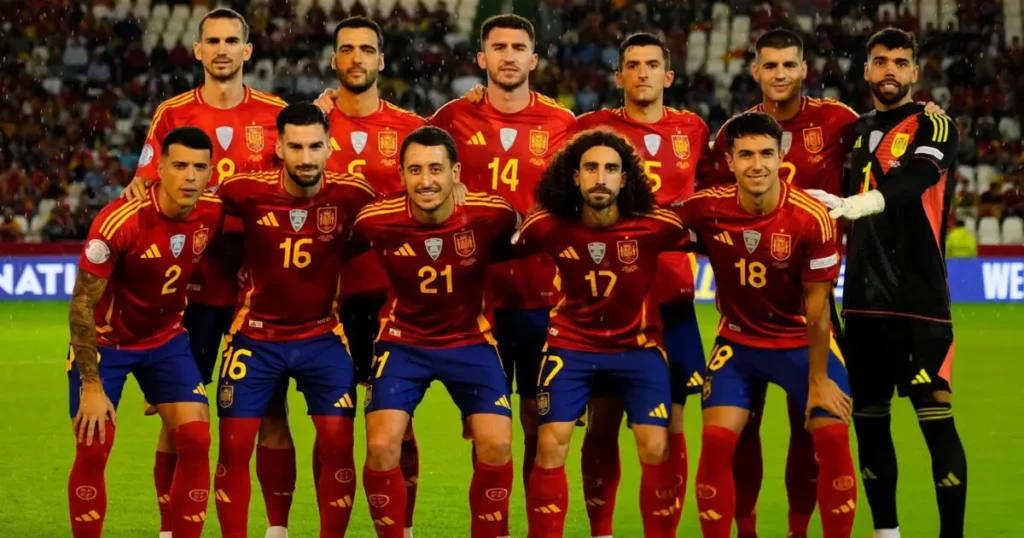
x=86, y=493
x=379, y=501
x=497, y=494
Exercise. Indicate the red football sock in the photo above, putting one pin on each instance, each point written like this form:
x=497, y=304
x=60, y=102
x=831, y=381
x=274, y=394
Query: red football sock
x=488, y=499
x=658, y=500
x=529, y=457
x=748, y=470
x=410, y=464
x=801, y=474
x=837, y=484
x=87, y=486
x=190, y=490
x=547, y=501
x=681, y=466
x=716, y=491
x=602, y=471
x=232, y=484
x=337, y=490
x=385, y=493
x=163, y=475
x=275, y=469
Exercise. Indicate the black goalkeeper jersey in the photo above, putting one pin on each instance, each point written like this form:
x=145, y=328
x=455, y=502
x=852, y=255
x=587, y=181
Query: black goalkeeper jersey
x=896, y=259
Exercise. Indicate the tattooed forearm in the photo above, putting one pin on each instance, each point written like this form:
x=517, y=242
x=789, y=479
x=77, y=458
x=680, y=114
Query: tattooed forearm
x=88, y=290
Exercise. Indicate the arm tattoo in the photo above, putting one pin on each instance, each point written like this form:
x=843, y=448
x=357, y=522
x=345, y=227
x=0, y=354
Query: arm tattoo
x=87, y=293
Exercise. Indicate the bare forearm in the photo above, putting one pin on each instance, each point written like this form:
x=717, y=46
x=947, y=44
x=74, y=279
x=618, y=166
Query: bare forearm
x=87, y=293
x=819, y=338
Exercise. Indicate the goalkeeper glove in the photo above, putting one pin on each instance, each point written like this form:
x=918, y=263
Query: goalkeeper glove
x=864, y=204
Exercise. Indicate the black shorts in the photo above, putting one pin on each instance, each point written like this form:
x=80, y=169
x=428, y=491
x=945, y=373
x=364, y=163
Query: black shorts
x=206, y=326
x=908, y=354
x=521, y=336
x=361, y=318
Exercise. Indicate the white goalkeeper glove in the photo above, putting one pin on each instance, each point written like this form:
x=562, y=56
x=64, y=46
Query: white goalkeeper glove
x=862, y=205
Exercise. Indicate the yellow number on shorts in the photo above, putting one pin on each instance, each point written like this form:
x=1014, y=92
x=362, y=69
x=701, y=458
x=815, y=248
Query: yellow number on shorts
x=792, y=171
x=592, y=278
x=719, y=356
x=294, y=255
x=352, y=168
x=225, y=169
x=752, y=273
x=655, y=179
x=509, y=173
x=429, y=275
x=233, y=367
x=172, y=274
x=379, y=362
x=557, y=361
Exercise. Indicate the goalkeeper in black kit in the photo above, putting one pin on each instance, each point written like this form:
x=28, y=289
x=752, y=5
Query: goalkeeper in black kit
x=899, y=332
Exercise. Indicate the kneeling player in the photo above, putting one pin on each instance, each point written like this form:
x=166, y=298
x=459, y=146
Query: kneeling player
x=296, y=221
x=436, y=327
x=598, y=222
x=126, y=310
x=772, y=248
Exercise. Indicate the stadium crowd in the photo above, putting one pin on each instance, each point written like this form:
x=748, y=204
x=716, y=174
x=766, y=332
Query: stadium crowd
x=80, y=83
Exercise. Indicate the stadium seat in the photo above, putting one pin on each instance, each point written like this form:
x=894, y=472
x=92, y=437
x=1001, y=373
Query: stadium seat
x=806, y=23
x=887, y=8
x=986, y=174
x=160, y=11
x=741, y=23
x=988, y=231
x=100, y=11
x=830, y=93
x=170, y=41
x=967, y=173
x=735, y=67
x=22, y=222
x=1013, y=231
x=265, y=64
x=971, y=224
x=326, y=5
x=149, y=41
x=175, y=28
x=198, y=12
x=141, y=12
x=347, y=4
x=431, y=5
x=181, y=12
x=302, y=8
x=385, y=7
x=845, y=63
x=122, y=9
x=155, y=26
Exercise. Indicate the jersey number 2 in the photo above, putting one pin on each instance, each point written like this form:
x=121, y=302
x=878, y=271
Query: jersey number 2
x=172, y=274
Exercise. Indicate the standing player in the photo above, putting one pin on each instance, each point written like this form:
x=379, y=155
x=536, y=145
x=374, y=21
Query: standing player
x=241, y=122
x=436, y=326
x=296, y=220
x=816, y=134
x=138, y=256
x=773, y=251
x=505, y=143
x=596, y=219
x=670, y=143
x=898, y=323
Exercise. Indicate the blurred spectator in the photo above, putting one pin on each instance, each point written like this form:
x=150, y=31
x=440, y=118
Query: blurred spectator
x=10, y=228
x=991, y=201
x=966, y=200
x=1013, y=198
x=960, y=242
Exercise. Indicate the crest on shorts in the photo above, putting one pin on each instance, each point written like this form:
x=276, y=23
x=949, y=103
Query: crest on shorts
x=465, y=244
x=199, y=239
x=628, y=250
x=358, y=139
x=226, y=396
x=254, y=138
x=298, y=218
x=899, y=145
x=706, y=389
x=597, y=251
x=787, y=141
x=543, y=403
x=326, y=219
x=433, y=247
x=387, y=143
x=814, y=140
x=538, y=142
x=652, y=142
x=751, y=238
x=177, y=244
x=781, y=246
x=681, y=146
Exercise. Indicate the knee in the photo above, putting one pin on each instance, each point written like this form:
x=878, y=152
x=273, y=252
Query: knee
x=93, y=456
x=382, y=452
x=193, y=438
x=274, y=432
x=494, y=449
x=551, y=449
x=652, y=449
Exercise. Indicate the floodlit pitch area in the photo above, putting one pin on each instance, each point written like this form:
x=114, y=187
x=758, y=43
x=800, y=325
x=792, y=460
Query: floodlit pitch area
x=38, y=446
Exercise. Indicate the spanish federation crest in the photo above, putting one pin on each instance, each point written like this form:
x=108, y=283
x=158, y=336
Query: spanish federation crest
x=226, y=396
x=224, y=136
x=538, y=142
x=681, y=146
x=177, y=244
x=751, y=238
x=465, y=244
x=326, y=219
x=199, y=240
x=628, y=251
x=652, y=142
x=814, y=140
x=433, y=246
x=298, y=218
x=358, y=139
x=597, y=251
x=254, y=138
x=543, y=403
x=781, y=246
x=387, y=143
x=899, y=145
x=787, y=141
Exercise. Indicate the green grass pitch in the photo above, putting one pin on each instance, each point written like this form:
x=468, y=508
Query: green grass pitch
x=37, y=448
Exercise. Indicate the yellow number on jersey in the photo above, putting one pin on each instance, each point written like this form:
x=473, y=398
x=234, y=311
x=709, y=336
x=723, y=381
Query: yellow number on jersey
x=752, y=274
x=792, y=171
x=172, y=274
x=655, y=179
x=354, y=165
x=233, y=367
x=719, y=356
x=294, y=255
x=429, y=275
x=509, y=174
x=558, y=364
x=867, y=177
x=592, y=278
x=225, y=169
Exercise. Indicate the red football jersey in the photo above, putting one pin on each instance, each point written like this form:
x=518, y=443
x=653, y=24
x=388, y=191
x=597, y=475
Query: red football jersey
x=147, y=259
x=607, y=276
x=761, y=262
x=670, y=149
x=294, y=249
x=244, y=138
x=437, y=272
x=814, y=147
x=367, y=147
x=506, y=154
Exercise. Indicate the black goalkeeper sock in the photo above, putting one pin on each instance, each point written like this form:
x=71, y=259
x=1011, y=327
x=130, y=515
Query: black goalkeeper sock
x=877, y=463
x=949, y=466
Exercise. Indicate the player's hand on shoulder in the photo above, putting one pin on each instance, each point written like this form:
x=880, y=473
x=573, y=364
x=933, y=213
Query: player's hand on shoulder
x=475, y=94
x=137, y=188
x=93, y=409
x=459, y=192
x=825, y=394
x=326, y=100
x=830, y=200
x=931, y=108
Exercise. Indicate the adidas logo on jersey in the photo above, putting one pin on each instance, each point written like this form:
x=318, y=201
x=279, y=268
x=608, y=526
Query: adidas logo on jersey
x=268, y=220
x=151, y=252
x=569, y=253
x=477, y=140
x=659, y=412
x=724, y=238
x=345, y=402
x=921, y=378
x=405, y=250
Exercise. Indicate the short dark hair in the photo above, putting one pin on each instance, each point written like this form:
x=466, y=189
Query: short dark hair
x=752, y=123
x=557, y=190
x=509, y=21
x=892, y=39
x=644, y=39
x=430, y=136
x=302, y=114
x=190, y=137
x=779, y=38
x=225, y=13
x=360, y=22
